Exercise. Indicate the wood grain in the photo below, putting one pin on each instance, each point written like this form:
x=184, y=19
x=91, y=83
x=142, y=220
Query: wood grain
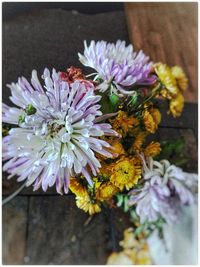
x=14, y=226
x=167, y=32
x=57, y=233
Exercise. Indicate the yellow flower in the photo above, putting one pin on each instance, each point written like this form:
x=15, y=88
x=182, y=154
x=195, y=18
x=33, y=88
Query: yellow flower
x=180, y=77
x=106, y=169
x=176, y=105
x=129, y=240
x=151, y=119
x=85, y=203
x=139, y=140
x=106, y=191
x=119, y=258
x=125, y=173
x=175, y=81
x=76, y=187
x=123, y=123
x=117, y=148
x=167, y=79
x=155, y=113
x=152, y=150
x=83, y=199
x=135, y=252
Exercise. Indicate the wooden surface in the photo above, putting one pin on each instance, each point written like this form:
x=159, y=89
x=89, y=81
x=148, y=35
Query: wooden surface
x=167, y=32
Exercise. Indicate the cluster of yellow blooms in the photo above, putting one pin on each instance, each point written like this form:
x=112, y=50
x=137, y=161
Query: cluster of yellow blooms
x=174, y=83
x=124, y=170
x=135, y=252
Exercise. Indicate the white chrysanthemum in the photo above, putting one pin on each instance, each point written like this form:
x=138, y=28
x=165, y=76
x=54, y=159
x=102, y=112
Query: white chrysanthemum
x=166, y=188
x=117, y=65
x=58, y=134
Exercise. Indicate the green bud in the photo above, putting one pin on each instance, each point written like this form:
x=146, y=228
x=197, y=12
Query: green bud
x=30, y=110
x=21, y=119
x=114, y=99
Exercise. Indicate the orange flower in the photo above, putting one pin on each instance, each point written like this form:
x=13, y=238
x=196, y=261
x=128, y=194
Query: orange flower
x=152, y=150
x=106, y=191
x=139, y=140
x=123, y=123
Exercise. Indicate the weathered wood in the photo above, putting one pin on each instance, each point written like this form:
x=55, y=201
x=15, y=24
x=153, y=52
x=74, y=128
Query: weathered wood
x=167, y=32
x=52, y=38
x=190, y=151
x=57, y=235
x=14, y=226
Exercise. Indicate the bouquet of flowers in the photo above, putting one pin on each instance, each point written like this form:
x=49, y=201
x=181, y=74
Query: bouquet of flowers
x=88, y=134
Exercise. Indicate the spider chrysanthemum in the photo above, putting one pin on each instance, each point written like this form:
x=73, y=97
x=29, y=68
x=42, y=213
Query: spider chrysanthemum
x=118, y=65
x=57, y=134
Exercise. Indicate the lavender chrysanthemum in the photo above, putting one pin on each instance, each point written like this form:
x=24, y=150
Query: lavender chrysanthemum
x=117, y=65
x=58, y=134
x=166, y=188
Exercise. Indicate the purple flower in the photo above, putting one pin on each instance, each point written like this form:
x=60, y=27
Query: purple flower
x=57, y=136
x=153, y=202
x=166, y=188
x=118, y=66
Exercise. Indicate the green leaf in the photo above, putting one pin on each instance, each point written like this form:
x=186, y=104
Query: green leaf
x=126, y=206
x=120, y=200
x=114, y=100
x=106, y=106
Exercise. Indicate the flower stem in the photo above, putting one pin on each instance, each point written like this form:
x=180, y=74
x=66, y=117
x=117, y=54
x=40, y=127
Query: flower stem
x=9, y=198
x=154, y=92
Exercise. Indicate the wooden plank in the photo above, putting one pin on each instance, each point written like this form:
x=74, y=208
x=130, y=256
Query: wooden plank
x=167, y=32
x=14, y=225
x=190, y=151
x=188, y=119
x=57, y=235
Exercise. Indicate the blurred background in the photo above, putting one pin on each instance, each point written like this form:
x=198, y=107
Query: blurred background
x=45, y=228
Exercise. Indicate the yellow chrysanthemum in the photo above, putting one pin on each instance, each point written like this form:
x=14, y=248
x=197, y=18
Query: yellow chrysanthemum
x=176, y=105
x=83, y=199
x=155, y=113
x=125, y=174
x=106, y=191
x=106, y=169
x=76, y=187
x=180, y=77
x=135, y=252
x=117, y=148
x=123, y=123
x=167, y=79
x=119, y=258
x=138, y=142
x=151, y=119
x=85, y=203
x=152, y=150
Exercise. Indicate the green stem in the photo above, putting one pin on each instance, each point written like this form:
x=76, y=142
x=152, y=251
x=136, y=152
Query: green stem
x=9, y=198
x=153, y=93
